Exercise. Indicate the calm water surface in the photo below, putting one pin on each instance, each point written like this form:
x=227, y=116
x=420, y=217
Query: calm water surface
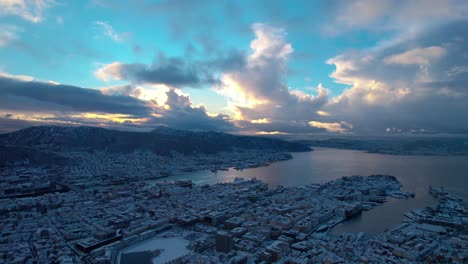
x=416, y=173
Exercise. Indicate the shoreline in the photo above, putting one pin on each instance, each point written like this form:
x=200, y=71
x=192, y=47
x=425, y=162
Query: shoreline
x=394, y=152
x=321, y=231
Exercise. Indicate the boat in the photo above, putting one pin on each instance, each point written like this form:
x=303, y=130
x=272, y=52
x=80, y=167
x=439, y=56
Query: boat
x=322, y=228
x=409, y=215
x=335, y=221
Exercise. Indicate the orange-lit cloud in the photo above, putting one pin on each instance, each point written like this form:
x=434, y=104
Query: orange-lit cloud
x=116, y=118
x=406, y=86
x=341, y=127
x=124, y=107
x=322, y=113
x=270, y=133
x=257, y=93
x=261, y=121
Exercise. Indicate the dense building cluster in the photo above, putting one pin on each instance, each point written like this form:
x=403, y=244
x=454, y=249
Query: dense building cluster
x=105, y=168
x=239, y=222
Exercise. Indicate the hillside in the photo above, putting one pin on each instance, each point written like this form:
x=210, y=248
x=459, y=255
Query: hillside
x=162, y=140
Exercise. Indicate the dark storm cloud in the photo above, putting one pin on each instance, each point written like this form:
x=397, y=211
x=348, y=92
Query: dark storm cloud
x=62, y=105
x=183, y=115
x=44, y=97
x=174, y=71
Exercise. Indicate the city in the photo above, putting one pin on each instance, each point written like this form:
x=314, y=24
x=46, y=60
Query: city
x=233, y=132
x=238, y=222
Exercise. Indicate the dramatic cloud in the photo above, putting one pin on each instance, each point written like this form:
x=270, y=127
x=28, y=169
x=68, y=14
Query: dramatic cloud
x=258, y=93
x=407, y=86
x=173, y=71
x=25, y=101
x=401, y=66
x=179, y=112
x=31, y=10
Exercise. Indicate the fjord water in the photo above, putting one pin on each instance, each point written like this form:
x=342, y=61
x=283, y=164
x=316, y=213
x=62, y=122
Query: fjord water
x=416, y=173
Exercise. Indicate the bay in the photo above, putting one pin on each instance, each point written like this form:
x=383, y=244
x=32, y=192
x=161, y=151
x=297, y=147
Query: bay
x=416, y=173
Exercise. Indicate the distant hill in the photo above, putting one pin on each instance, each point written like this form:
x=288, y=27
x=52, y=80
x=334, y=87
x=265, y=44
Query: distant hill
x=162, y=140
x=398, y=145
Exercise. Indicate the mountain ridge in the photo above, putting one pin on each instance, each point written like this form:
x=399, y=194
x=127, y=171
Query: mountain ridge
x=162, y=140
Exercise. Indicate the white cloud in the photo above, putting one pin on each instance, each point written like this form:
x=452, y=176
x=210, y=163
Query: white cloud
x=111, y=33
x=31, y=10
x=419, y=56
x=156, y=93
x=341, y=127
x=457, y=70
x=322, y=113
x=111, y=71
x=261, y=121
x=257, y=92
x=362, y=12
x=8, y=33
x=270, y=133
x=269, y=43
x=384, y=92
x=24, y=78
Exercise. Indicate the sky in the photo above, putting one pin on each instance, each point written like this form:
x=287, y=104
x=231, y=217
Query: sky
x=387, y=67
